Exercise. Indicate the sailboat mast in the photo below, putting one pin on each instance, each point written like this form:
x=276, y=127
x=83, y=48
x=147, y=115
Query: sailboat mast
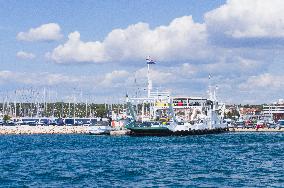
x=148, y=77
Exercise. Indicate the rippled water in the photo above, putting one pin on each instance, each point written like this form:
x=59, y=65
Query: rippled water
x=230, y=160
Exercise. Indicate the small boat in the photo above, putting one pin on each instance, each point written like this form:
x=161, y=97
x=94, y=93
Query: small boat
x=100, y=128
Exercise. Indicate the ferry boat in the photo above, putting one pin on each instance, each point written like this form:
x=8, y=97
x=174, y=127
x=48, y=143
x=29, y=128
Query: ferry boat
x=205, y=121
x=176, y=115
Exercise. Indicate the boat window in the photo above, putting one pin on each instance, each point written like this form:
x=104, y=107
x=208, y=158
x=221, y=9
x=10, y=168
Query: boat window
x=180, y=102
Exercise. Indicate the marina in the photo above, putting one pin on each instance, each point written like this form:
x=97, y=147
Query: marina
x=138, y=94
x=155, y=114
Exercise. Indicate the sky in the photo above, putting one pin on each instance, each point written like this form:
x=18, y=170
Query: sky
x=96, y=50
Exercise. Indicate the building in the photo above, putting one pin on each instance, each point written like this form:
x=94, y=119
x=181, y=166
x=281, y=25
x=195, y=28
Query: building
x=275, y=110
x=249, y=111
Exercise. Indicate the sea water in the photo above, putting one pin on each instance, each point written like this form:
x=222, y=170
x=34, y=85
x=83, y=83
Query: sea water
x=223, y=160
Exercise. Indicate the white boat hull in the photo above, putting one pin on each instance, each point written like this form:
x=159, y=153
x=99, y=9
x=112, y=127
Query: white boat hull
x=99, y=130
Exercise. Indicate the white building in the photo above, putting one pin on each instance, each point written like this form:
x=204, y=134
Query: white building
x=275, y=110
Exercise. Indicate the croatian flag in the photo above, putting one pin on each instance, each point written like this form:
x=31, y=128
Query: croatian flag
x=150, y=61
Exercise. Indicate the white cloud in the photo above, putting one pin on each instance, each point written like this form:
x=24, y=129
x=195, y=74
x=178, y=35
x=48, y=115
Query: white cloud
x=45, y=32
x=114, y=78
x=181, y=39
x=107, y=80
x=258, y=89
x=54, y=79
x=263, y=82
x=158, y=76
x=185, y=55
x=5, y=74
x=25, y=55
x=245, y=19
x=229, y=66
x=41, y=78
x=74, y=50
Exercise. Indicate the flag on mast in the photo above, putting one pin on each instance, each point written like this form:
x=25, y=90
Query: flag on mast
x=150, y=60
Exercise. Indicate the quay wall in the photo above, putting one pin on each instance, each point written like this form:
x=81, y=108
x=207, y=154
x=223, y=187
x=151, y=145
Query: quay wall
x=51, y=129
x=25, y=129
x=256, y=130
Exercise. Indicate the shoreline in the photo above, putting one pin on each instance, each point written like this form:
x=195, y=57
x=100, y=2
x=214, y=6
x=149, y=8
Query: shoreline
x=53, y=129
x=256, y=130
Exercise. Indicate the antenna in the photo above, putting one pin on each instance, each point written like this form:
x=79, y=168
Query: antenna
x=149, y=62
x=210, y=88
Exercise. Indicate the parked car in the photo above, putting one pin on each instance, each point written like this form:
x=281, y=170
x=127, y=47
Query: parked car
x=229, y=123
x=240, y=124
x=10, y=123
x=271, y=125
x=249, y=124
x=280, y=124
x=260, y=124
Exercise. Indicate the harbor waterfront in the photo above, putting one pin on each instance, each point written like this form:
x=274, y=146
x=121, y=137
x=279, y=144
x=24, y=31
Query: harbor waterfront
x=156, y=114
x=138, y=94
x=53, y=129
x=223, y=160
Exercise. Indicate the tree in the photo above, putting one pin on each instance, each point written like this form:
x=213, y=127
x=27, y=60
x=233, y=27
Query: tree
x=228, y=115
x=6, y=118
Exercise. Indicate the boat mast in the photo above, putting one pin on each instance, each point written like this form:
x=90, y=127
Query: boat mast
x=149, y=80
x=171, y=109
x=130, y=108
x=149, y=88
x=210, y=88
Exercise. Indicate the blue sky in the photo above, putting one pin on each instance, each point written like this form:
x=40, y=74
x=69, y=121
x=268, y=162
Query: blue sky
x=98, y=48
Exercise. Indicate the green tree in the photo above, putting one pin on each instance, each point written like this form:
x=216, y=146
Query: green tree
x=6, y=118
